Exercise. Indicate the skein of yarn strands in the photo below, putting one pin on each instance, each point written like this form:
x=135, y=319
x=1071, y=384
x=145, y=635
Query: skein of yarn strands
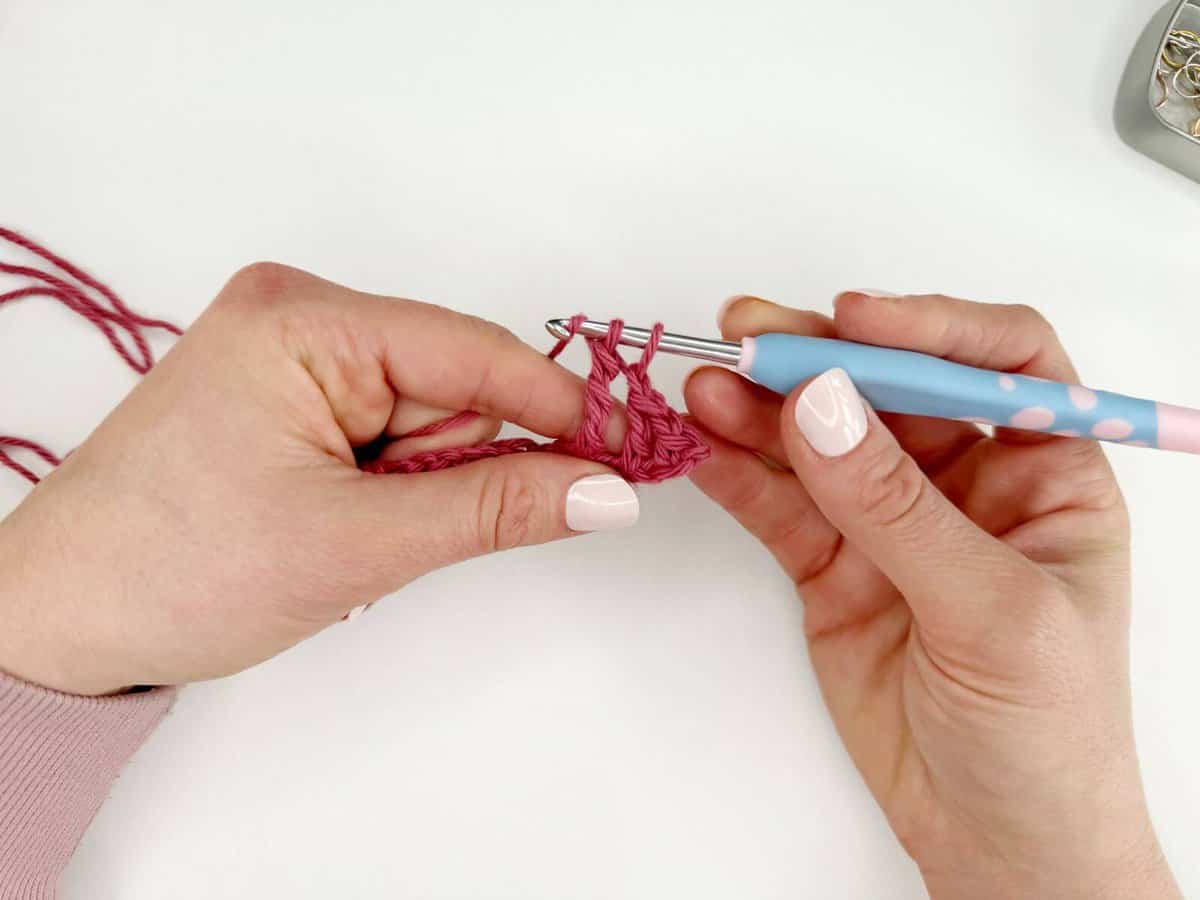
x=55, y=278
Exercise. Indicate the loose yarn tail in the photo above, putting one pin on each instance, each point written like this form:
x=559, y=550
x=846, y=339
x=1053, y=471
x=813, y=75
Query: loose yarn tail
x=88, y=297
x=22, y=444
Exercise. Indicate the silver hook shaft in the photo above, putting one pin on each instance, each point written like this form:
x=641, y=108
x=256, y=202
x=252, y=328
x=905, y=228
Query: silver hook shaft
x=725, y=353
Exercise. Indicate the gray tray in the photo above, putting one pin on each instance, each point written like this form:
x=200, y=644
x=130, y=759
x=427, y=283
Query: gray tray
x=1163, y=135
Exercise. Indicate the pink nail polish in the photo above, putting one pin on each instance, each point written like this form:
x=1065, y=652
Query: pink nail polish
x=831, y=415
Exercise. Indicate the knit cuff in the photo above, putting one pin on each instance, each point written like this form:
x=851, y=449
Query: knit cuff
x=59, y=756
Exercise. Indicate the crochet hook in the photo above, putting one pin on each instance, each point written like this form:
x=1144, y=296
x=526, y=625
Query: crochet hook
x=903, y=381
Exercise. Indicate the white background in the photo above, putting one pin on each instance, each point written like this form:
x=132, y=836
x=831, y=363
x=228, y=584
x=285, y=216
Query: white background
x=630, y=715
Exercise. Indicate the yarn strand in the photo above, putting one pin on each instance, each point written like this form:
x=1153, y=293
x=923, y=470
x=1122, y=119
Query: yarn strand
x=22, y=444
x=85, y=296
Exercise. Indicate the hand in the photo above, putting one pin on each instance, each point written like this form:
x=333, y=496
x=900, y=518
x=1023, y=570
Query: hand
x=217, y=517
x=966, y=601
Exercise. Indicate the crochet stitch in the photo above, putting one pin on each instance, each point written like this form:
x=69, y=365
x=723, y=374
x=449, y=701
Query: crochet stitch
x=659, y=444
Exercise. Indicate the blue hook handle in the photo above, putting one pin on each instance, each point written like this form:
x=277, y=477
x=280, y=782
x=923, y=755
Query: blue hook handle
x=902, y=381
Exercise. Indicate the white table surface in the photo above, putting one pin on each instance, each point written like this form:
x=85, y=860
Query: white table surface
x=633, y=715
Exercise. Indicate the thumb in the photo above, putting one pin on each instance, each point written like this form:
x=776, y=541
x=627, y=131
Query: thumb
x=434, y=519
x=873, y=492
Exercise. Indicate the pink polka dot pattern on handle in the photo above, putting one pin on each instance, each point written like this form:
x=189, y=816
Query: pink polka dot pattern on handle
x=1033, y=418
x=1008, y=383
x=1082, y=398
x=1112, y=429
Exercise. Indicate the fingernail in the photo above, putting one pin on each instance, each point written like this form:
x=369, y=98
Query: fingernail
x=601, y=503
x=831, y=415
x=724, y=308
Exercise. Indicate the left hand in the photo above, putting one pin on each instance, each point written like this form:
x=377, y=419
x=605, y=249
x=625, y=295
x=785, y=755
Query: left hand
x=218, y=516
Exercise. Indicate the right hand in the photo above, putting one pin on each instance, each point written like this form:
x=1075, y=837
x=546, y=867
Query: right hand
x=967, y=601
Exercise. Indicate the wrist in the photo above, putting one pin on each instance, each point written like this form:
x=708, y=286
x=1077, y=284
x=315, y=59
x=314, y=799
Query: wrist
x=43, y=640
x=1131, y=869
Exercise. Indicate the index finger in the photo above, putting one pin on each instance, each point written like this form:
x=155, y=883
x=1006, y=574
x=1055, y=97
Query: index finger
x=457, y=361
x=1002, y=337
x=366, y=350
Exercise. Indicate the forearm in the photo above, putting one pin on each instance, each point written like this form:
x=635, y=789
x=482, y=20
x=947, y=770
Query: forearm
x=59, y=756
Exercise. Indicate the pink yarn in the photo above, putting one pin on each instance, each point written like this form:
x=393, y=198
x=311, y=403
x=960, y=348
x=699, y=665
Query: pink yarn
x=87, y=297
x=109, y=313
x=454, y=421
x=22, y=444
x=658, y=444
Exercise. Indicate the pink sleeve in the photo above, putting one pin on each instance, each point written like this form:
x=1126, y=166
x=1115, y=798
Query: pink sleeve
x=59, y=755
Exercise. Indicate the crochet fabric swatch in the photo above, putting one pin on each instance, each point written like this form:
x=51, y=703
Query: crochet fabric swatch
x=659, y=444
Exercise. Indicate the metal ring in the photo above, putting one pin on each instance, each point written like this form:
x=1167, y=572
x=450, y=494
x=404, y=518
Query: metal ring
x=1182, y=41
x=1191, y=68
x=1160, y=78
x=1186, y=71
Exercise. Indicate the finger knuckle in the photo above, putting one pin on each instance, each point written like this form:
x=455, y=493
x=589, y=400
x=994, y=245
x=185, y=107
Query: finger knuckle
x=1031, y=317
x=519, y=393
x=743, y=495
x=890, y=488
x=1083, y=467
x=487, y=329
x=262, y=281
x=263, y=291
x=508, y=512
